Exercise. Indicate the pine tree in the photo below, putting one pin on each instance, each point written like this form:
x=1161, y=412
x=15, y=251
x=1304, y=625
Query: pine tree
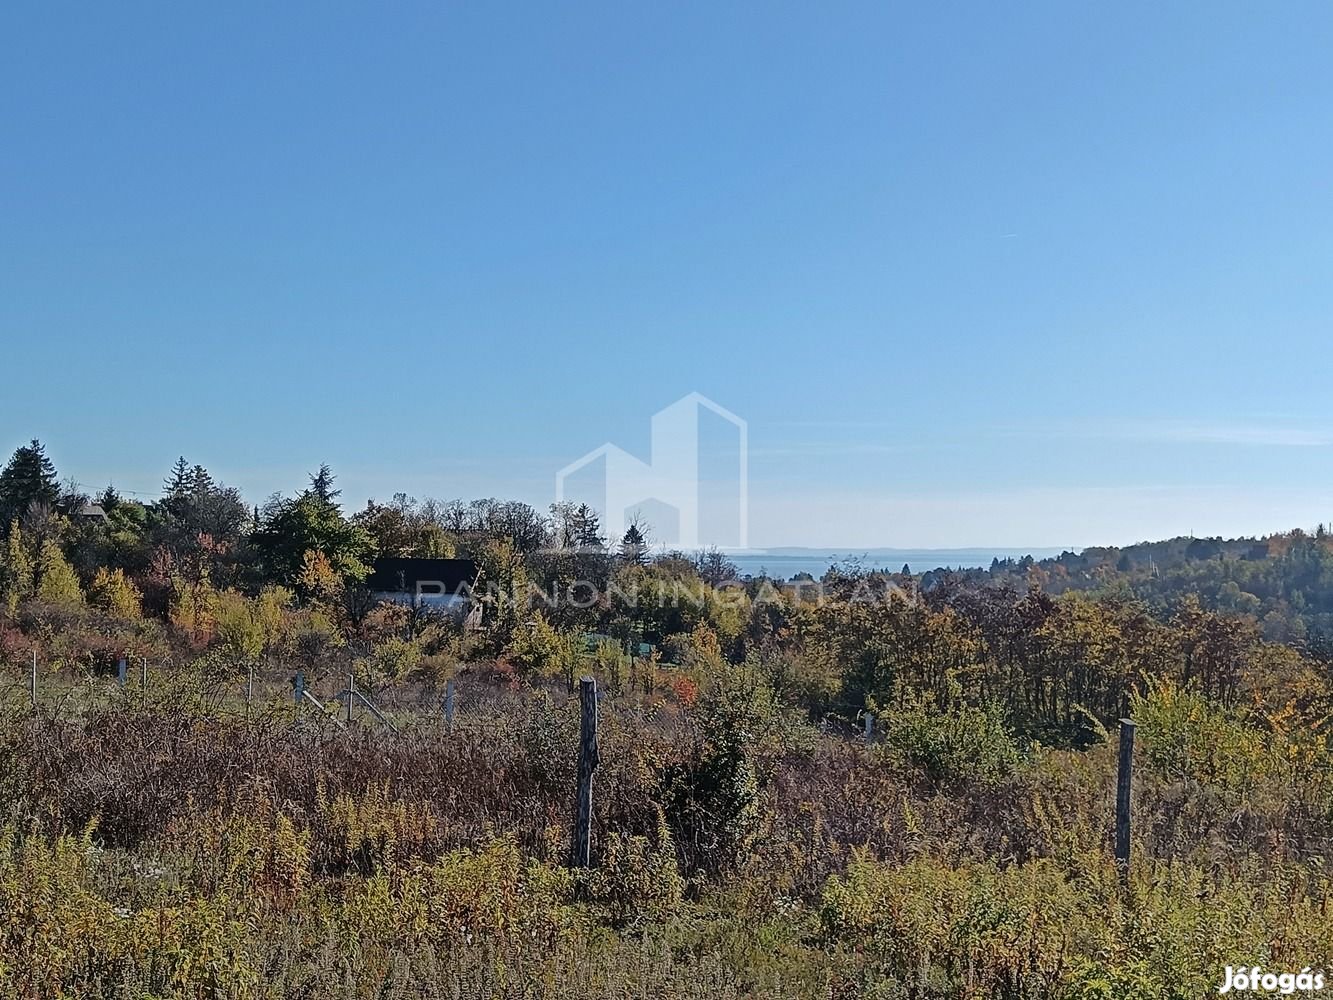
x=587, y=528
x=201, y=482
x=178, y=483
x=29, y=478
x=311, y=522
x=197, y=518
x=321, y=485
x=633, y=546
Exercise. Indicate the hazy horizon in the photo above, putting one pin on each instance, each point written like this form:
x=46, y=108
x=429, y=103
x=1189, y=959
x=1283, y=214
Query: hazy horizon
x=1162, y=514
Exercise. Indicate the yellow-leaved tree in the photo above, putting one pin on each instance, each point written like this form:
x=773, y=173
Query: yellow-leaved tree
x=16, y=571
x=114, y=592
x=57, y=583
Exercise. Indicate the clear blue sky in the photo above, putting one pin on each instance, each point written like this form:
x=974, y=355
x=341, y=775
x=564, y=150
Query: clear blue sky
x=986, y=274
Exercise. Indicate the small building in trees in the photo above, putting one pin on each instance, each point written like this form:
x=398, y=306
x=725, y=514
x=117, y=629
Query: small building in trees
x=93, y=512
x=434, y=584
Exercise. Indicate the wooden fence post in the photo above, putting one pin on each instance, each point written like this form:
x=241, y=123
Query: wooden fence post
x=1124, y=782
x=449, y=689
x=143, y=682
x=582, y=851
x=32, y=681
x=351, y=695
x=249, y=688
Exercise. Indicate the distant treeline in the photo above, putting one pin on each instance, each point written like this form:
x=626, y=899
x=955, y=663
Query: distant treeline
x=1283, y=582
x=1046, y=650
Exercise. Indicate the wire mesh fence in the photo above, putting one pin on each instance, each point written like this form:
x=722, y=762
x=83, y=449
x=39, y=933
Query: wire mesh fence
x=332, y=697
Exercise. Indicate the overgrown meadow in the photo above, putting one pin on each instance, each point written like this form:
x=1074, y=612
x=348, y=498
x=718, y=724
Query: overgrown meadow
x=176, y=838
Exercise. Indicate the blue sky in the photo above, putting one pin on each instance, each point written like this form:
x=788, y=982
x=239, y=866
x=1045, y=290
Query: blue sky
x=975, y=274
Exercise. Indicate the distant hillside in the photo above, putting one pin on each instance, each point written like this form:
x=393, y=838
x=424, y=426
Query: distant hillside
x=1284, y=581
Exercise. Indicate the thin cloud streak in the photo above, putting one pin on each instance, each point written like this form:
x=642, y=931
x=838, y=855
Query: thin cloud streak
x=1247, y=435
x=821, y=449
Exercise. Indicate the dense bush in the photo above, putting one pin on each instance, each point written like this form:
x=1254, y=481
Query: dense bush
x=961, y=743
x=712, y=794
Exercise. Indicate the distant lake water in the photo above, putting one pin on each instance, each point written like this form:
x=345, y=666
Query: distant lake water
x=784, y=564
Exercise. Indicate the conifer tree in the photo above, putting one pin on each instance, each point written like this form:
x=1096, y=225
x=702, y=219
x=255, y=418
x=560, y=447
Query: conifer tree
x=321, y=485
x=634, y=546
x=29, y=478
x=178, y=483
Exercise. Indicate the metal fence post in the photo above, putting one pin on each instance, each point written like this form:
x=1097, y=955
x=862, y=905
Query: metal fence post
x=122, y=672
x=582, y=849
x=1123, y=785
x=351, y=694
x=299, y=687
x=870, y=727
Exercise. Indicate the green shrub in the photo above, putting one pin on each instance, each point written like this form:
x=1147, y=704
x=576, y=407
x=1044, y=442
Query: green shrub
x=1184, y=735
x=634, y=881
x=712, y=795
x=962, y=743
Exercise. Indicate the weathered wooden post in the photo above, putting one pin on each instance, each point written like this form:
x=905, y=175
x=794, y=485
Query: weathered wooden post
x=449, y=689
x=1124, y=781
x=351, y=694
x=32, y=681
x=143, y=682
x=249, y=688
x=122, y=672
x=582, y=851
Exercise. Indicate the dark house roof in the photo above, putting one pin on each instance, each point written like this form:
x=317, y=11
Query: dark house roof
x=403, y=575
